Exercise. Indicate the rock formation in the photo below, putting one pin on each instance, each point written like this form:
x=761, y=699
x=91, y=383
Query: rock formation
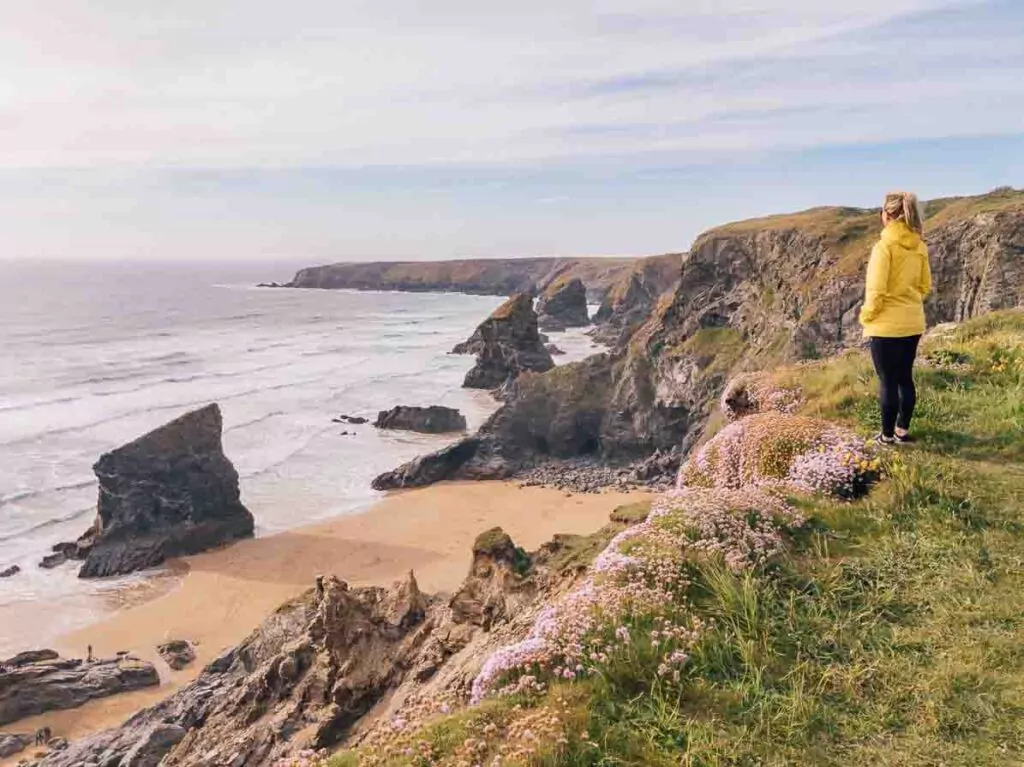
x=563, y=304
x=9, y=571
x=13, y=743
x=178, y=653
x=749, y=295
x=631, y=299
x=32, y=684
x=330, y=666
x=169, y=493
x=506, y=344
x=428, y=420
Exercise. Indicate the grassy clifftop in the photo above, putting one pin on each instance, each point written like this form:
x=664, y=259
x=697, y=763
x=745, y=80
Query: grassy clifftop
x=888, y=630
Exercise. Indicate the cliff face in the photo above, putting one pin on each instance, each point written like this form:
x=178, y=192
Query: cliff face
x=498, y=277
x=748, y=296
x=632, y=298
x=506, y=344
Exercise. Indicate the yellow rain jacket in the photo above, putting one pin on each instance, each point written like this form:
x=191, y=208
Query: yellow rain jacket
x=898, y=280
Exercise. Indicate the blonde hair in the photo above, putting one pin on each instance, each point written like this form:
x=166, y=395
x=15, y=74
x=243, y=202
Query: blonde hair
x=905, y=207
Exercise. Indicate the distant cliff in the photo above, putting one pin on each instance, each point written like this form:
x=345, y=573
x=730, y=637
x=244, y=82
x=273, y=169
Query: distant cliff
x=492, y=277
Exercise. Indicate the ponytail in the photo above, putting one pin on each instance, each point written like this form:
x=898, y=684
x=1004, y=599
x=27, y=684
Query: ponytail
x=904, y=206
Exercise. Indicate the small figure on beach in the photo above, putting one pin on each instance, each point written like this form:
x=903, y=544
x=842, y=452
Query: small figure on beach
x=43, y=735
x=319, y=589
x=88, y=654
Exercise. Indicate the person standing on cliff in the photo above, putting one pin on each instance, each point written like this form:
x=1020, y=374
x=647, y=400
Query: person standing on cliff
x=898, y=280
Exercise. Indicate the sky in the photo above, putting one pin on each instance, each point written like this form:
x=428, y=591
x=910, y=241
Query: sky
x=331, y=130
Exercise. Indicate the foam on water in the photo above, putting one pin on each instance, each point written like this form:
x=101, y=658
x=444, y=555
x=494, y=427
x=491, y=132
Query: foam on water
x=97, y=354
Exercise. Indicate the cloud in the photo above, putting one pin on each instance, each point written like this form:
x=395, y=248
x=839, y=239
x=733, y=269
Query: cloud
x=269, y=84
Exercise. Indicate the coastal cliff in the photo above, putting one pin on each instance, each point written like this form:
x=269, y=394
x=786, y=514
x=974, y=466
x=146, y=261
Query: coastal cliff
x=483, y=276
x=748, y=295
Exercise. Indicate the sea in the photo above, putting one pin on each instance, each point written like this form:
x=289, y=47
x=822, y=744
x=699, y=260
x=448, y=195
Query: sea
x=95, y=354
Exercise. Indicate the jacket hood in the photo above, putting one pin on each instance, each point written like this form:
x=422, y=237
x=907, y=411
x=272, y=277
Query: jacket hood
x=899, y=233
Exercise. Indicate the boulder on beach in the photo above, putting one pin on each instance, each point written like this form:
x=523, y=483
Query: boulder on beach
x=36, y=682
x=178, y=653
x=428, y=420
x=563, y=305
x=506, y=344
x=9, y=571
x=355, y=420
x=14, y=743
x=169, y=493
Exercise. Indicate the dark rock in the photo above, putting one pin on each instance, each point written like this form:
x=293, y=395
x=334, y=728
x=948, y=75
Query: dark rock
x=153, y=745
x=272, y=285
x=30, y=656
x=34, y=688
x=355, y=420
x=553, y=350
x=470, y=458
x=169, y=493
x=57, y=744
x=11, y=744
x=506, y=344
x=563, y=304
x=8, y=572
x=428, y=420
x=51, y=561
x=178, y=653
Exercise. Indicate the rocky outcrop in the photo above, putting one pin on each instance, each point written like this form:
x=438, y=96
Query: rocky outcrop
x=177, y=653
x=47, y=683
x=563, y=305
x=630, y=300
x=7, y=572
x=748, y=296
x=487, y=276
x=13, y=743
x=428, y=420
x=506, y=344
x=328, y=667
x=169, y=493
x=478, y=457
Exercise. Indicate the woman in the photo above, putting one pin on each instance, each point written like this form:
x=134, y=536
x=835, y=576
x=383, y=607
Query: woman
x=893, y=313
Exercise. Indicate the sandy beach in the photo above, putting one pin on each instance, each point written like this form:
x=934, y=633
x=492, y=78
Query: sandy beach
x=226, y=593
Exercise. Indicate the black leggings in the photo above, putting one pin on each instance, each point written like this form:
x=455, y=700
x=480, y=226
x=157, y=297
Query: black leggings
x=894, y=363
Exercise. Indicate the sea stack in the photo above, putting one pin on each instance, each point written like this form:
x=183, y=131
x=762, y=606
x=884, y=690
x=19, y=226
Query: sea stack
x=563, y=305
x=168, y=493
x=506, y=344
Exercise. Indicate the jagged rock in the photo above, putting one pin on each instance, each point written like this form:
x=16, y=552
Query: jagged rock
x=630, y=301
x=169, y=493
x=322, y=662
x=178, y=653
x=30, y=688
x=553, y=350
x=506, y=344
x=12, y=743
x=30, y=656
x=470, y=458
x=429, y=420
x=355, y=420
x=8, y=572
x=563, y=304
x=50, y=561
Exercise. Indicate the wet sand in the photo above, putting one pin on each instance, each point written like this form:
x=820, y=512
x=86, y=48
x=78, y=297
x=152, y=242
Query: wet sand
x=227, y=593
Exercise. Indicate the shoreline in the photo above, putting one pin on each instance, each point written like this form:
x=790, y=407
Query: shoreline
x=226, y=593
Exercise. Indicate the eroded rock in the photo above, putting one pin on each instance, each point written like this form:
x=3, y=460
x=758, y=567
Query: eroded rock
x=506, y=344
x=563, y=304
x=428, y=420
x=169, y=493
x=34, y=687
x=178, y=653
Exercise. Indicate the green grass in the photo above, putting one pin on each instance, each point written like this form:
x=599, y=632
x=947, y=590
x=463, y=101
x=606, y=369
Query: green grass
x=892, y=634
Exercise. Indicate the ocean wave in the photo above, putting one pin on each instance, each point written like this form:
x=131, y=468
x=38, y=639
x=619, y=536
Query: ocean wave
x=22, y=495
x=51, y=522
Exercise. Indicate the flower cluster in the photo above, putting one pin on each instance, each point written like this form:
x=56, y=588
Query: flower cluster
x=633, y=602
x=750, y=393
x=787, y=451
